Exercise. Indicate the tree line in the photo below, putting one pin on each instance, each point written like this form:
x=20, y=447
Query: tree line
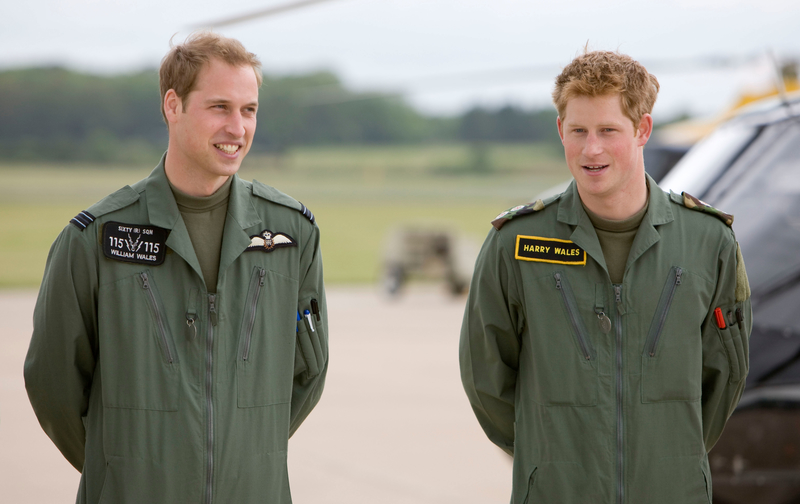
x=58, y=114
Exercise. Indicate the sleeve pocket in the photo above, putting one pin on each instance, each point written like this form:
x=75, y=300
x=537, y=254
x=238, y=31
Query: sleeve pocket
x=309, y=340
x=735, y=350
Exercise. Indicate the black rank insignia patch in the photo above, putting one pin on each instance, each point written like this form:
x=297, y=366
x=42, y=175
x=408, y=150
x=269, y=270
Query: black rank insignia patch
x=549, y=250
x=135, y=243
x=267, y=241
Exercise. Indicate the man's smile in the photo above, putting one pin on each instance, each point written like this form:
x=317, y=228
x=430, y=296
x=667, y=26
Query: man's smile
x=227, y=148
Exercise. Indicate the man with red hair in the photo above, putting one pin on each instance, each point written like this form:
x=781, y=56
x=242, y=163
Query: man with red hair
x=605, y=339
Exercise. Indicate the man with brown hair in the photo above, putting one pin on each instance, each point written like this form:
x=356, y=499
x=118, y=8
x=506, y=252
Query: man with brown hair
x=180, y=334
x=605, y=339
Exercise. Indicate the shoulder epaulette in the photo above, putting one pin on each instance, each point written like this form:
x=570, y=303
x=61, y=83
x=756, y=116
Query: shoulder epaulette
x=269, y=193
x=690, y=201
x=519, y=210
x=82, y=220
x=114, y=201
x=307, y=213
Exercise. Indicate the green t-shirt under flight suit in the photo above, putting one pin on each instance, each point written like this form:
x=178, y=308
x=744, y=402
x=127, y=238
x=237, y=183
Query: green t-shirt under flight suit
x=616, y=238
x=204, y=217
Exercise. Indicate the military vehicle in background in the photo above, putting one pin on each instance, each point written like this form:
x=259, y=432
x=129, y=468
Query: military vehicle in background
x=428, y=254
x=750, y=167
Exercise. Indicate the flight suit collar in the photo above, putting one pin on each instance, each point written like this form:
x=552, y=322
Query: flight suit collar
x=658, y=214
x=161, y=206
x=163, y=212
x=571, y=212
x=241, y=222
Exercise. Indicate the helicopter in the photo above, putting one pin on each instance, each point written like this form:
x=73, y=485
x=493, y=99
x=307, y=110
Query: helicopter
x=750, y=166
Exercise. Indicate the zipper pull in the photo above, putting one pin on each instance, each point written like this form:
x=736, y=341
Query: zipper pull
x=558, y=281
x=604, y=322
x=600, y=310
x=212, y=308
x=678, y=274
x=261, y=274
x=618, y=299
x=145, y=281
x=191, y=328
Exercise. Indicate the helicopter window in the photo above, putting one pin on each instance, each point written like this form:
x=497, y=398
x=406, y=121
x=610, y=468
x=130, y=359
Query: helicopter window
x=765, y=199
x=762, y=189
x=703, y=164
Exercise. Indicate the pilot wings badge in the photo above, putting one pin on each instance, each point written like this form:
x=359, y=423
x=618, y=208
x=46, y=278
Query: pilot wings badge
x=267, y=241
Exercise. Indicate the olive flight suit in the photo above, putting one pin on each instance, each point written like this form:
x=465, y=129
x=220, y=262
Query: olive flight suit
x=157, y=390
x=602, y=392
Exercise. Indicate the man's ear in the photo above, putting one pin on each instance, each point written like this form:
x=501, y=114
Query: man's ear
x=172, y=106
x=560, y=127
x=644, y=130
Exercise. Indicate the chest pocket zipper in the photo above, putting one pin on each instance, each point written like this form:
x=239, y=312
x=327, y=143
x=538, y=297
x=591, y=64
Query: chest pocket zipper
x=572, y=311
x=256, y=283
x=167, y=349
x=664, y=303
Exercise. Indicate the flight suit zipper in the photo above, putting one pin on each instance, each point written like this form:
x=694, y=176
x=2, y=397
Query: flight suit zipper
x=664, y=303
x=212, y=317
x=620, y=432
x=256, y=283
x=162, y=329
x=569, y=302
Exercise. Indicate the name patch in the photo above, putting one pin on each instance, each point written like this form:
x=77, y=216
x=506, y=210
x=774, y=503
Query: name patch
x=549, y=250
x=135, y=243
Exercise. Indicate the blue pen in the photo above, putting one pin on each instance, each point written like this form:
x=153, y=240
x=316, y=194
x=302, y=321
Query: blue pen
x=299, y=318
x=307, y=314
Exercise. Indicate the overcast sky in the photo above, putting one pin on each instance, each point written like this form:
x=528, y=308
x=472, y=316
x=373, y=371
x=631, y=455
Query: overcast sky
x=443, y=55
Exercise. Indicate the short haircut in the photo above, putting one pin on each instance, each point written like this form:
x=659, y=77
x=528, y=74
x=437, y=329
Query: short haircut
x=601, y=73
x=183, y=63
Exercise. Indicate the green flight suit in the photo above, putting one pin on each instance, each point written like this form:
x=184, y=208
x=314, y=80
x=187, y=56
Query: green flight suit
x=157, y=390
x=606, y=393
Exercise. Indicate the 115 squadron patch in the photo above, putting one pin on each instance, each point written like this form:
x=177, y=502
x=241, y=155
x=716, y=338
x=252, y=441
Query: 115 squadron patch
x=135, y=243
x=549, y=250
x=267, y=241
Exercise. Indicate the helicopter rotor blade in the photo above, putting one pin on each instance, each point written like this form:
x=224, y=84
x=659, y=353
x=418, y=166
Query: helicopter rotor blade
x=270, y=11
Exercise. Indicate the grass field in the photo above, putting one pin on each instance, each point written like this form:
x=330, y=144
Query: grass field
x=359, y=195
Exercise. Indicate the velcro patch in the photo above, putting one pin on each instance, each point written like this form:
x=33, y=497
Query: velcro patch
x=549, y=250
x=267, y=241
x=135, y=243
x=742, y=283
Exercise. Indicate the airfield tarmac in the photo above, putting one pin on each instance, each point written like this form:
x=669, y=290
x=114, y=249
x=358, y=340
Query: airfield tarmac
x=393, y=426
